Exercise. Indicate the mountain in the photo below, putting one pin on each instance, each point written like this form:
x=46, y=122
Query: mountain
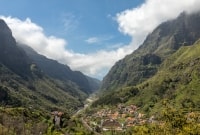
x=93, y=83
x=20, y=63
x=164, y=68
x=176, y=82
x=144, y=62
x=26, y=82
x=62, y=72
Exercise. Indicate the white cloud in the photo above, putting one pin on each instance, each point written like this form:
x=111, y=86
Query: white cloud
x=137, y=23
x=98, y=40
x=69, y=21
x=140, y=21
x=115, y=46
x=93, y=64
x=92, y=40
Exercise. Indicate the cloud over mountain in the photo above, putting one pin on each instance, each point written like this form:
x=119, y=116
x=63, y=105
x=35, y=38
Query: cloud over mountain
x=140, y=21
x=136, y=22
x=93, y=64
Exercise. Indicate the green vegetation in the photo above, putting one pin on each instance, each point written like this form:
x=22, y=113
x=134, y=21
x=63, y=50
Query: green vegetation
x=177, y=80
x=170, y=122
x=32, y=86
x=28, y=121
x=163, y=70
x=161, y=78
x=40, y=93
x=164, y=67
x=62, y=72
x=144, y=62
x=23, y=121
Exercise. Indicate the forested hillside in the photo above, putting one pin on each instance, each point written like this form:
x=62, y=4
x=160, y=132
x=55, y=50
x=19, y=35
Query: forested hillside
x=144, y=62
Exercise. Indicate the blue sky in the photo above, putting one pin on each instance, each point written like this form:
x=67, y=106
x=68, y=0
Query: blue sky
x=75, y=20
x=88, y=35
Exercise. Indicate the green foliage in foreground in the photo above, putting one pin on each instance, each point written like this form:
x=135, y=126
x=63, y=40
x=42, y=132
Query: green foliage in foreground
x=171, y=122
x=177, y=81
x=28, y=121
x=21, y=121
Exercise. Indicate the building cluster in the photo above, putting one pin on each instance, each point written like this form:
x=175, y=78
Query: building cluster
x=117, y=119
x=57, y=118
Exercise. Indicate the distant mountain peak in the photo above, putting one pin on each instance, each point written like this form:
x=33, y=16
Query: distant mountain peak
x=6, y=37
x=10, y=55
x=4, y=27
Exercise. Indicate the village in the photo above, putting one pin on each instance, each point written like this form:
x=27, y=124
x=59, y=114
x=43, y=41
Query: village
x=118, y=119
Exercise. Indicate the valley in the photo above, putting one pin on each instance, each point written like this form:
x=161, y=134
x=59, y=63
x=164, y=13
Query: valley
x=153, y=90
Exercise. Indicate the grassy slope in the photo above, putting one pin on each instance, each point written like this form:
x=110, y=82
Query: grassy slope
x=40, y=92
x=166, y=39
x=177, y=81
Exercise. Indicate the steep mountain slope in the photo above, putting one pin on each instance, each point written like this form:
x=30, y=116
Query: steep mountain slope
x=62, y=72
x=24, y=84
x=20, y=63
x=93, y=83
x=161, y=43
x=176, y=82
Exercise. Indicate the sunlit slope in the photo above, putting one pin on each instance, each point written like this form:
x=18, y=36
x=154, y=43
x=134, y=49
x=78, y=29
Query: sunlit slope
x=177, y=82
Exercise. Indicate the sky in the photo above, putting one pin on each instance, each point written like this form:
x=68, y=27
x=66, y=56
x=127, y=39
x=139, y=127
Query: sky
x=88, y=35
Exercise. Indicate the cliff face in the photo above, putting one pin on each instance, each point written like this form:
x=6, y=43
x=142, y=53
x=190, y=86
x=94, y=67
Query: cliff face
x=10, y=55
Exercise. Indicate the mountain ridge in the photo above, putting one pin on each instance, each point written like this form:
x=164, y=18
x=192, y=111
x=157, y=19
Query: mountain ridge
x=161, y=43
x=20, y=63
x=25, y=84
x=175, y=83
x=60, y=71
